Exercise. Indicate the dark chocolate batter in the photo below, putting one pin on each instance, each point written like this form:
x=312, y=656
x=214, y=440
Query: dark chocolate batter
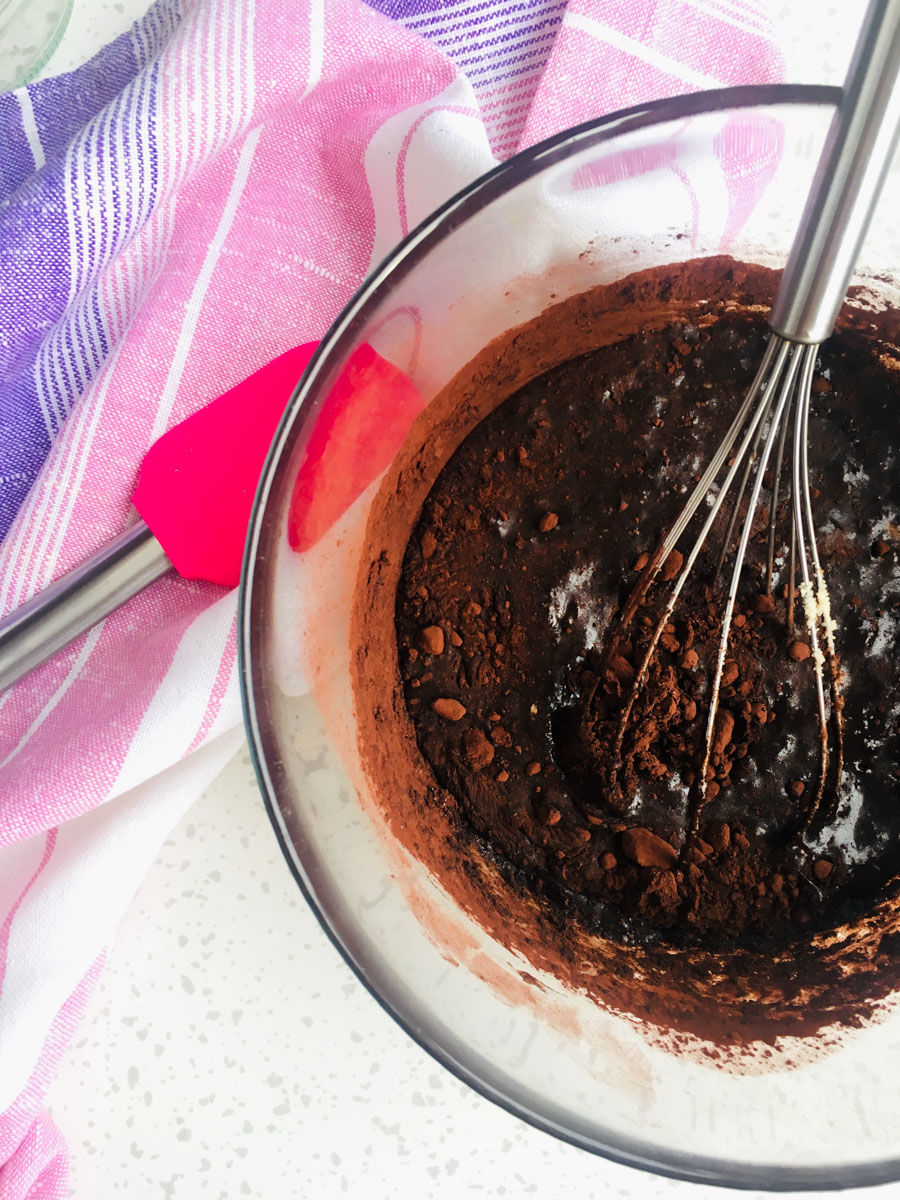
x=525, y=549
x=499, y=549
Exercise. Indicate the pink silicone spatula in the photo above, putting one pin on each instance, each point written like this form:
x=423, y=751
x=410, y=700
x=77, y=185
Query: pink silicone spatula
x=196, y=489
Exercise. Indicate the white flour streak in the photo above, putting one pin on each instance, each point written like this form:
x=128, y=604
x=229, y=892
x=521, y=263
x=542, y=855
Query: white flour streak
x=855, y=477
x=790, y=743
x=590, y=615
x=887, y=528
x=841, y=834
x=884, y=633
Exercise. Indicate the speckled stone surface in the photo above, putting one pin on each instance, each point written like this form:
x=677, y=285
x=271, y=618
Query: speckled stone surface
x=228, y=1050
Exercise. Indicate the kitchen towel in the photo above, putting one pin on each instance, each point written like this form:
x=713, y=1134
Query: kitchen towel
x=204, y=194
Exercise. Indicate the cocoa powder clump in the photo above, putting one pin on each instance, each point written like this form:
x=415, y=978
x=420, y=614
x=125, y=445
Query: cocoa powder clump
x=433, y=639
x=647, y=849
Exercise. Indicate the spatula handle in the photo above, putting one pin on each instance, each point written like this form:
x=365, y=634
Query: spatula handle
x=77, y=601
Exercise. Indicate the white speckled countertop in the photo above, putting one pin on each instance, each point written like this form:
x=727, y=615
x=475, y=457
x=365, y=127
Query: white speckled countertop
x=229, y=1051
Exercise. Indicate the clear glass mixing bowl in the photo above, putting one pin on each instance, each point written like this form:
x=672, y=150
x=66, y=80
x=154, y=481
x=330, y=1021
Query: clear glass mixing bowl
x=698, y=175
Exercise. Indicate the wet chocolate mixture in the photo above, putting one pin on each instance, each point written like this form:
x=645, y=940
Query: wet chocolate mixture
x=490, y=671
x=525, y=550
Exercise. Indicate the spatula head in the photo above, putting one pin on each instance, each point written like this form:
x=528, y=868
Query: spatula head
x=362, y=425
x=198, y=481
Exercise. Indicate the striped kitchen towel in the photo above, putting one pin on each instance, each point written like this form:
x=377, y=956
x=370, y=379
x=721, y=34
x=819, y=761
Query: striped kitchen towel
x=205, y=194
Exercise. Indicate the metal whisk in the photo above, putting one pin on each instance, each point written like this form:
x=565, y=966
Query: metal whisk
x=852, y=168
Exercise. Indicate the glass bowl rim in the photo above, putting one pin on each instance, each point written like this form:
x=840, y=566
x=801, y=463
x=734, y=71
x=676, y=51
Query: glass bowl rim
x=48, y=48
x=330, y=351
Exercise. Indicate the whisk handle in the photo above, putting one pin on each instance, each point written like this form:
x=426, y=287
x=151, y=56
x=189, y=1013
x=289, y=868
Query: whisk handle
x=854, y=162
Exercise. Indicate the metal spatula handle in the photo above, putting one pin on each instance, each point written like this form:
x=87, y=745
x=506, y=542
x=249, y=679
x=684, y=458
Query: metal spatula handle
x=857, y=154
x=78, y=600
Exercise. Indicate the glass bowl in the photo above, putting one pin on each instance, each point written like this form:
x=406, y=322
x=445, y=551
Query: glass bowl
x=714, y=172
x=30, y=30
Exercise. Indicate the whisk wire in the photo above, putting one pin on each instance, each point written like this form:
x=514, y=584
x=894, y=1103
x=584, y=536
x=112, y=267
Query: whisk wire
x=803, y=517
x=816, y=601
x=742, y=487
x=782, y=387
x=773, y=506
x=778, y=350
x=785, y=394
x=702, y=487
x=724, y=449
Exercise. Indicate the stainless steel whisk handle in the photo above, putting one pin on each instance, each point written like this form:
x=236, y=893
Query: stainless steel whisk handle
x=857, y=154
